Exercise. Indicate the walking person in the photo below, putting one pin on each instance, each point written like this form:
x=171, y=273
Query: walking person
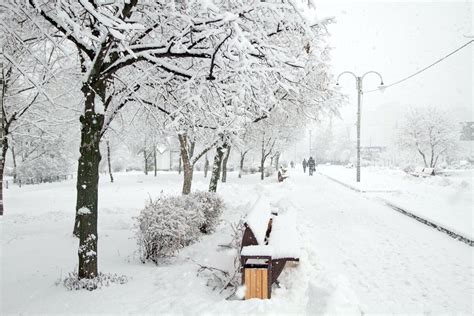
x=311, y=165
x=305, y=164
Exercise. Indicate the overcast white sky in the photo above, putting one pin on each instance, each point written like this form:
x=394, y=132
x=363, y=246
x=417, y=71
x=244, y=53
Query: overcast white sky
x=396, y=39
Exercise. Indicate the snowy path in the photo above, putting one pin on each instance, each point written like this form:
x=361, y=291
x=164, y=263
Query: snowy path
x=391, y=262
x=358, y=256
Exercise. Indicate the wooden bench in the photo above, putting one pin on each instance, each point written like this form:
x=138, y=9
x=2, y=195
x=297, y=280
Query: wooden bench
x=282, y=174
x=268, y=243
x=423, y=172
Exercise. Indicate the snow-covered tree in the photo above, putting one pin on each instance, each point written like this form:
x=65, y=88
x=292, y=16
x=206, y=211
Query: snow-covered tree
x=429, y=132
x=31, y=68
x=251, y=53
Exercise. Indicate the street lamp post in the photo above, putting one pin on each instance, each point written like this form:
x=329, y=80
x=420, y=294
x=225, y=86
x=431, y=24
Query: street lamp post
x=359, y=80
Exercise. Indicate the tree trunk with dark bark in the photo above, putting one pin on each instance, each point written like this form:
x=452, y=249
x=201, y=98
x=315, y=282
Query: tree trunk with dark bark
x=216, y=168
x=187, y=166
x=224, y=165
x=3, y=136
x=262, y=161
x=242, y=158
x=12, y=149
x=206, y=167
x=2, y=168
x=87, y=192
x=109, y=163
x=87, y=184
x=145, y=158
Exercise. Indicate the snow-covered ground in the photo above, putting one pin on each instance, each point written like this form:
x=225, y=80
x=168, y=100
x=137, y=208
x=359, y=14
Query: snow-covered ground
x=358, y=256
x=445, y=199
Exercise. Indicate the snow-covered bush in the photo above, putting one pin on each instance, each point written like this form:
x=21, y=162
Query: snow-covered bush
x=170, y=223
x=211, y=206
x=166, y=225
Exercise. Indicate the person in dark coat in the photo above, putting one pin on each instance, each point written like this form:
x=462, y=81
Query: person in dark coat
x=304, y=165
x=311, y=165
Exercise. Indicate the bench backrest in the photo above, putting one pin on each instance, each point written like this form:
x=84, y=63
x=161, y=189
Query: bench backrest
x=257, y=223
x=429, y=171
x=419, y=169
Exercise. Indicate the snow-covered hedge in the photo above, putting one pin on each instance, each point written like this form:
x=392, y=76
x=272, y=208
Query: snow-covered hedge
x=211, y=206
x=170, y=223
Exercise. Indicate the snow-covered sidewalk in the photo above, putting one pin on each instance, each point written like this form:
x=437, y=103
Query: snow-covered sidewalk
x=357, y=256
x=446, y=200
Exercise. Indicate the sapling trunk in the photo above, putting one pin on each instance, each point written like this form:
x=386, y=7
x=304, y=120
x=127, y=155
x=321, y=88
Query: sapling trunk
x=216, y=168
x=2, y=168
x=224, y=165
x=108, y=162
x=242, y=158
x=154, y=160
x=145, y=158
x=206, y=167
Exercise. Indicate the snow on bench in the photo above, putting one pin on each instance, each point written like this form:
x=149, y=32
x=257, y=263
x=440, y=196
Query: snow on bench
x=284, y=236
x=270, y=235
x=423, y=172
x=257, y=219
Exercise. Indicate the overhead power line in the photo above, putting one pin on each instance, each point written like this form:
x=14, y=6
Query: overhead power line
x=421, y=70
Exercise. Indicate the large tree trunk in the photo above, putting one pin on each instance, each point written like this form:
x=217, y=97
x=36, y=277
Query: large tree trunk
x=2, y=166
x=87, y=194
x=179, y=164
x=216, y=168
x=224, y=165
x=87, y=187
x=187, y=167
x=108, y=162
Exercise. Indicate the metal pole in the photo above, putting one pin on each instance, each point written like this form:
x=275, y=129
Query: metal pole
x=359, y=105
x=359, y=99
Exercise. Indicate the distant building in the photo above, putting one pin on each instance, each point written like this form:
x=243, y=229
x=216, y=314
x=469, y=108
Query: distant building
x=166, y=158
x=372, y=152
x=467, y=131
